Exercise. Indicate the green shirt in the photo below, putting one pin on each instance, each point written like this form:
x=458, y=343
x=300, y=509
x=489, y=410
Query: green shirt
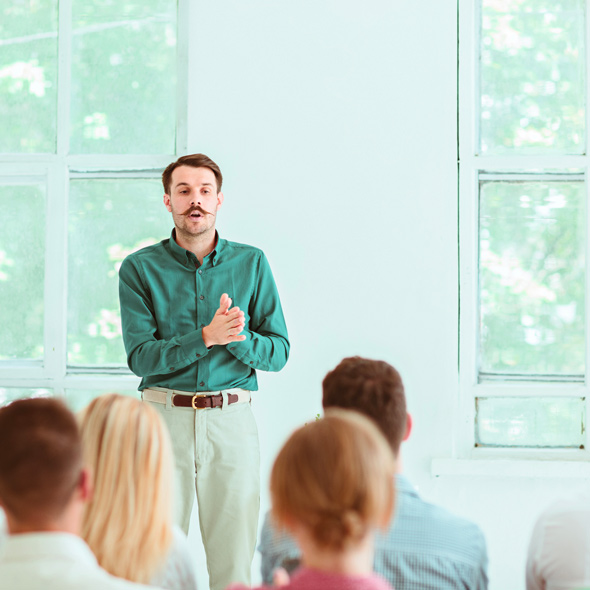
x=166, y=300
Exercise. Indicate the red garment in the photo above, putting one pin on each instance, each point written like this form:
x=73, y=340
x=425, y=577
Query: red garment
x=310, y=579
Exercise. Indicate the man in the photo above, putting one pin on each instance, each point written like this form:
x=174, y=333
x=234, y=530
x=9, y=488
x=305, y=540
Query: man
x=426, y=547
x=43, y=489
x=197, y=356
x=559, y=550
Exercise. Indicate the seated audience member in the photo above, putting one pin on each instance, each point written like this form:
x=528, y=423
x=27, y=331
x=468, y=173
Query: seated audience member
x=128, y=521
x=425, y=546
x=559, y=550
x=3, y=531
x=43, y=489
x=331, y=485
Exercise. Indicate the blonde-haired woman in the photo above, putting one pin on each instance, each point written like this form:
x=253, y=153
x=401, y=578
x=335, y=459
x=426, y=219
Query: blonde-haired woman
x=331, y=485
x=128, y=522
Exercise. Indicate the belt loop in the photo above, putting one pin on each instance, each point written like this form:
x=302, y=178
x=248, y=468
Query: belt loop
x=169, y=399
x=225, y=402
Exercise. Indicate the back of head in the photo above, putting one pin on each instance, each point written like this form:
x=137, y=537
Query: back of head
x=127, y=524
x=334, y=477
x=373, y=388
x=40, y=460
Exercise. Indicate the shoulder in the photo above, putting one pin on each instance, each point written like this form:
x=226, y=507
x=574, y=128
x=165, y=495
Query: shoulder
x=177, y=570
x=571, y=512
x=274, y=538
x=148, y=252
x=238, y=248
x=154, y=255
x=421, y=525
x=120, y=584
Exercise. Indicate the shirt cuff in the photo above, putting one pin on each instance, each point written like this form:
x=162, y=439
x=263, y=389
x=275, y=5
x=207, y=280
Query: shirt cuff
x=192, y=345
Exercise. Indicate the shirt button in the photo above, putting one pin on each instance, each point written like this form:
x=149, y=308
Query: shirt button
x=200, y=272
x=172, y=368
x=198, y=355
x=251, y=363
x=202, y=384
x=201, y=297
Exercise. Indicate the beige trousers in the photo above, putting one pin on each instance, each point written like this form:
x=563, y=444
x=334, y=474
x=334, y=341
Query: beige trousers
x=217, y=453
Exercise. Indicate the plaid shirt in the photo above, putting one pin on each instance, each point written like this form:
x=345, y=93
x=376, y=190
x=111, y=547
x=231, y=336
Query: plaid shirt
x=425, y=548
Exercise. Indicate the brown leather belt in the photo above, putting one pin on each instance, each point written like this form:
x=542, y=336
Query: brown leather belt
x=197, y=401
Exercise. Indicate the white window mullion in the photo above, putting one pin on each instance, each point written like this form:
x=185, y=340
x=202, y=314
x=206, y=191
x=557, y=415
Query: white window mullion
x=56, y=273
x=468, y=273
x=469, y=282
x=116, y=163
x=56, y=219
x=64, y=61
x=182, y=76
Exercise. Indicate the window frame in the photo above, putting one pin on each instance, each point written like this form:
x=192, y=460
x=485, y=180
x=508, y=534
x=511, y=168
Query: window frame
x=57, y=170
x=470, y=165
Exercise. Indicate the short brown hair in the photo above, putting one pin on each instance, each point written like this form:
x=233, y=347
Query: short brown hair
x=196, y=161
x=335, y=477
x=373, y=388
x=40, y=459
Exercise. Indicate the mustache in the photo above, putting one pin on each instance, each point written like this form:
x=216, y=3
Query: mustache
x=196, y=208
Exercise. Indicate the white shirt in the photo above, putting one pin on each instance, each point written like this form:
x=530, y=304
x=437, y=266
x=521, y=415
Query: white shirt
x=177, y=571
x=54, y=561
x=559, y=551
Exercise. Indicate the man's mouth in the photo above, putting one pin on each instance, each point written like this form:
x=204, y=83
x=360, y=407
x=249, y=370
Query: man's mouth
x=196, y=212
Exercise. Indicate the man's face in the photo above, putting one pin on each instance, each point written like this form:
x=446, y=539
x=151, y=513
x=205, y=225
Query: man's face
x=190, y=189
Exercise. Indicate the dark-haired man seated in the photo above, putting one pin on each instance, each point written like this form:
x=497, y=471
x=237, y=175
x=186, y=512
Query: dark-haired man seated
x=43, y=488
x=426, y=547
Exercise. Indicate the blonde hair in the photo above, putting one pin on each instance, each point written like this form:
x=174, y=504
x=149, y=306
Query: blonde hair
x=335, y=477
x=128, y=522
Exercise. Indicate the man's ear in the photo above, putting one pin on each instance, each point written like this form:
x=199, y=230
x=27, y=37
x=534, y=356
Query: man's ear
x=220, y=198
x=85, y=486
x=409, y=424
x=167, y=202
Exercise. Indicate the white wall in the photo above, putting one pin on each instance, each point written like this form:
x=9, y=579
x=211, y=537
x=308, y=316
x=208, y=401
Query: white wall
x=334, y=123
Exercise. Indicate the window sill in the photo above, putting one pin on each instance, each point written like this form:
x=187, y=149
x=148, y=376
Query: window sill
x=577, y=467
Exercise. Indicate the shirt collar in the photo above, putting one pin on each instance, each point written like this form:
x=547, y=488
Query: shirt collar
x=42, y=545
x=185, y=257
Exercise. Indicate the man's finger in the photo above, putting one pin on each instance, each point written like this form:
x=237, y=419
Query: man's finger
x=224, y=302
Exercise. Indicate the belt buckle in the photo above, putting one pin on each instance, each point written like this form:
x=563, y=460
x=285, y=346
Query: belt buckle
x=195, y=397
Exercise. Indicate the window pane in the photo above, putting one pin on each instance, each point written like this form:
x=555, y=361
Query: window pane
x=532, y=76
x=530, y=422
x=28, y=76
x=123, y=77
x=532, y=278
x=22, y=245
x=10, y=394
x=78, y=399
x=108, y=219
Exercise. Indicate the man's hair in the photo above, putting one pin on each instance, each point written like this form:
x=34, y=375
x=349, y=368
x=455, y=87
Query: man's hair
x=334, y=476
x=196, y=161
x=128, y=521
x=373, y=388
x=40, y=459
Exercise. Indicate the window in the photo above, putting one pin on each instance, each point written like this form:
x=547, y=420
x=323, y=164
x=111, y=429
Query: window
x=92, y=104
x=523, y=204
